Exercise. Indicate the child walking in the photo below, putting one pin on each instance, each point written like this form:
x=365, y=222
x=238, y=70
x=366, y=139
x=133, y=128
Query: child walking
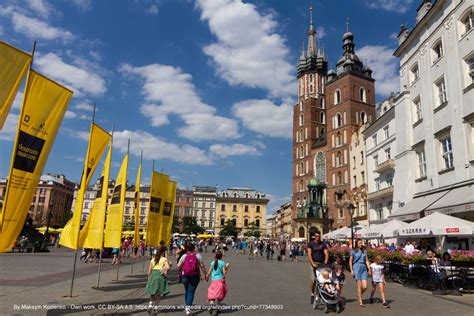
x=378, y=278
x=157, y=284
x=218, y=288
x=338, y=270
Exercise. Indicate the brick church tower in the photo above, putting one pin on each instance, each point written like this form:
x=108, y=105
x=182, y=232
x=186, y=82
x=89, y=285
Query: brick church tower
x=308, y=118
x=350, y=101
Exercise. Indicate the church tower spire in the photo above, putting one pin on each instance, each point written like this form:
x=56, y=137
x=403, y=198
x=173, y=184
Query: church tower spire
x=311, y=34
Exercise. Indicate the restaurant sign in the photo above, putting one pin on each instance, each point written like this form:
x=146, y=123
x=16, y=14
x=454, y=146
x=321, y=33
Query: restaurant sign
x=452, y=230
x=419, y=231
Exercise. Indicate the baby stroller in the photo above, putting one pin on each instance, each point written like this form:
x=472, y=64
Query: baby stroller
x=326, y=298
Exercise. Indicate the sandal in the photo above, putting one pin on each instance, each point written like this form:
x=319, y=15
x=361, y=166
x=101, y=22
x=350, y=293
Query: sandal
x=385, y=304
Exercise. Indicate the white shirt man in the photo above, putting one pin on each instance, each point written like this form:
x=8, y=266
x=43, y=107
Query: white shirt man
x=409, y=248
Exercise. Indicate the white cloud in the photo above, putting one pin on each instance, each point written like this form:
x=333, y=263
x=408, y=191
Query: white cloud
x=167, y=90
x=85, y=106
x=255, y=55
x=157, y=148
x=18, y=99
x=36, y=29
x=70, y=115
x=266, y=118
x=399, y=6
x=394, y=36
x=81, y=81
x=385, y=68
x=8, y=131
x=153, y=9
x=275, y=202
x=40, y=7
x=225, y=151
x=320, y=32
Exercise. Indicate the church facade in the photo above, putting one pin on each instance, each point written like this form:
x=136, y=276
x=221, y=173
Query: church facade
x=332, y=106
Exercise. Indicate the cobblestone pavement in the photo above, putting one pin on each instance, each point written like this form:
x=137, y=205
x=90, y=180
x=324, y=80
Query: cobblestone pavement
x=39, y=284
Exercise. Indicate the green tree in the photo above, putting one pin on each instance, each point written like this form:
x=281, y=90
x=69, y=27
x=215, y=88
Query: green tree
x=190, y=226
x=252, y=231
x=229, y=229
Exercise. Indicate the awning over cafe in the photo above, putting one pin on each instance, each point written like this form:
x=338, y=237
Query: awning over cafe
x=457, y=200
x=411, y=210
x=438, y=224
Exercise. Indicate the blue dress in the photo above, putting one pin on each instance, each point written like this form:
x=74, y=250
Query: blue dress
x=358, y=265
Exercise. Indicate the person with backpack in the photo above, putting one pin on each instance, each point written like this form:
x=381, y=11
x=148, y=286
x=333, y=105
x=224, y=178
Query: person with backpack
x=189, y=265
x=218, y=288
x=157, y=284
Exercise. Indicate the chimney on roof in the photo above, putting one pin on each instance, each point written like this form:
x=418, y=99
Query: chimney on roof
x=404, y=33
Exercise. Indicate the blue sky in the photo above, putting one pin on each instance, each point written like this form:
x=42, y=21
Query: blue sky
x=205, y=87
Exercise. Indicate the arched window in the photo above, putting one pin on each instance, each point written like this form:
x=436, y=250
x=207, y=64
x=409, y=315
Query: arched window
x=339, y=178
x=338, y=139
x=301, y=120
x=301, y=232
x=362, y=95
x=224, y=194
x=320, y=167
x=301, y=105
x=321, y=103
x=247, y=195
x=322, y=131
x=301, y=135
x=235, y=194
x=322, y=118
x=338, y=159
x=337, y=96
x=302, y=152
x=301, y=186
x=363, y=118
x=258, y=195
x=467, y=21
x=338, y=120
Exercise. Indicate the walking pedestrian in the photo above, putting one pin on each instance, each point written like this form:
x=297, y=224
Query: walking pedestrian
x=378, y=279
x=157, y=285
x=360, y=269
x=189, y=265
x=318, y=254
x=218, y=288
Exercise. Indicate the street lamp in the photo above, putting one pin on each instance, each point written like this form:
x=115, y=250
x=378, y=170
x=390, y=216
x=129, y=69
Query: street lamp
x=351, y=208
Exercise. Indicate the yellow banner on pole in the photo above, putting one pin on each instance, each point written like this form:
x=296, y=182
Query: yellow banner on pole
x=44, y=105
x=136, y=235
x=168, y=212
x=98, y=141
x=13, y=66
x=92, y=234
x=114, y=223
x=158, y=191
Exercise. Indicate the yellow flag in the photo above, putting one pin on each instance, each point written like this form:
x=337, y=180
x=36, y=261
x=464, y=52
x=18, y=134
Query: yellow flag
x=13, y=66
x=98, y=141
x=158, y=192
x=92, y=234
x=114, y=223
x=136, y=235
x=168, y=212
x=44, y=105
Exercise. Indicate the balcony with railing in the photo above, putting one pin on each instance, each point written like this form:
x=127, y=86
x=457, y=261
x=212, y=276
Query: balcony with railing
x=388, y=164
x=381, y=193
